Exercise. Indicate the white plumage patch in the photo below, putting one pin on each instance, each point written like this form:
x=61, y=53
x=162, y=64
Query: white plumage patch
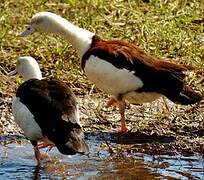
x=73, y=118
x=117, y=81
x=77, y=115
x=109, y=78
x=24, y=118
x=49, y=22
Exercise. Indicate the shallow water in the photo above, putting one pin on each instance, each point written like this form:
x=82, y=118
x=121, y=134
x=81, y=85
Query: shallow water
x=17, y=162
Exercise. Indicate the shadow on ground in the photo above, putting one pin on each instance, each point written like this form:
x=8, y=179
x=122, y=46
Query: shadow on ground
x=131, y=137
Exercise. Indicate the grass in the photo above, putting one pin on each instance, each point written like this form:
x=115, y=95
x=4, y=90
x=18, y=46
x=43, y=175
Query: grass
x=170, y=29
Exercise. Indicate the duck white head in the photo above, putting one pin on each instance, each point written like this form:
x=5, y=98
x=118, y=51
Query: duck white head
x=51, y=23
x=28, y=68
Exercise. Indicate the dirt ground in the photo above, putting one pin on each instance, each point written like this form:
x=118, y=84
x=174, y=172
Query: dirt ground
x=157, y=128
x=170, y=30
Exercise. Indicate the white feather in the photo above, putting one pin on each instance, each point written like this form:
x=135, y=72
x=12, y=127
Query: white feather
x=28, y=68
x=49, y=22
x=74, y=117
x=117, y=81
x=77, y=115
x=109, y=78
x=24, y=118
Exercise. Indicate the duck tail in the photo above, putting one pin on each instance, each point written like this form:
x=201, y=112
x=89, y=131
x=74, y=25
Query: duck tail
x=186, y=97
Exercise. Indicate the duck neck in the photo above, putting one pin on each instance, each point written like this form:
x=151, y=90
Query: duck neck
x=32, y=75
x=80, y=39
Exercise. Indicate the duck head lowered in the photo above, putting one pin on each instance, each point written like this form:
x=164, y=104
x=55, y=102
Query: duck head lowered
x=28, y=68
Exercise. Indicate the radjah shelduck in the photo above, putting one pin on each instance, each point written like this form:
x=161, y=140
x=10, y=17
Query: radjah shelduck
x=119, y=68
x=46, y=110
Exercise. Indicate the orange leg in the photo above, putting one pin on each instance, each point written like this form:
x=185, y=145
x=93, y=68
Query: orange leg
x=123, y=127
x=37, y=155
x=112, y=102
x=36, y=151
x=46, y=143
x=122, y=114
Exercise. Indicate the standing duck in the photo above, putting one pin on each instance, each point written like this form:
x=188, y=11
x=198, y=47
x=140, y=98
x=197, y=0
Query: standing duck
x=119, y=68
x=46, y=110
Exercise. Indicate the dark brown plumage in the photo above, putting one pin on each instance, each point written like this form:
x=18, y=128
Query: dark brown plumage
x=46, y=110
x=53, y=106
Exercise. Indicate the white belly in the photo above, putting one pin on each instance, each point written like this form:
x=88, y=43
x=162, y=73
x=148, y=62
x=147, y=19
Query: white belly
x=109, y=78
x=117, y=81
x=25, y=120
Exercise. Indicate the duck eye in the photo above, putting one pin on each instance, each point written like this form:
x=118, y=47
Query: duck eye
x=28, y=28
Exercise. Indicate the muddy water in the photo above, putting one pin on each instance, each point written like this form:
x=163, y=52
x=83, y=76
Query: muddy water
x=103, y=162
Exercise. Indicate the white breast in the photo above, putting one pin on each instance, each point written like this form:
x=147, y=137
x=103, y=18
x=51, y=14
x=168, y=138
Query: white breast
x=25, y=120
x=109, y=78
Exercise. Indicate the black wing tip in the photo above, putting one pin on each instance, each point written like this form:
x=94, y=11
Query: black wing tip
x=188, y=97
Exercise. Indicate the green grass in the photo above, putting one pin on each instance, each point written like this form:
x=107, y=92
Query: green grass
x=168, y=29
